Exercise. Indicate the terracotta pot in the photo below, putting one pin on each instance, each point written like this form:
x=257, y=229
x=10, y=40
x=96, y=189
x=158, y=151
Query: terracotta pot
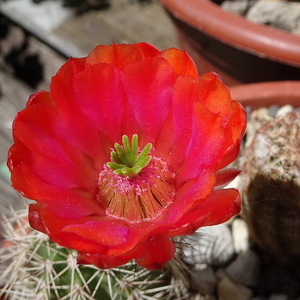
x=265, y=94
x=239, y=50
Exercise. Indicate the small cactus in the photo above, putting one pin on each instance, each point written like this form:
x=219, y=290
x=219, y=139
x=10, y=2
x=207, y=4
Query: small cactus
x=271, y=187
x=33, y=267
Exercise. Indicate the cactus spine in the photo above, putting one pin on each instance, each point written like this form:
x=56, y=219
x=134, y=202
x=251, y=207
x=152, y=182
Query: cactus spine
x=33, y=267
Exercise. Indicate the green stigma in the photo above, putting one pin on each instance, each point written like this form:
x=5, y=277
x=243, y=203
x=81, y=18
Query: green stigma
x=126, y=159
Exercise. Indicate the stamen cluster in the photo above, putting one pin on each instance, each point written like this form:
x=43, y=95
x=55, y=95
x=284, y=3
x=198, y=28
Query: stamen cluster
x=126, y=160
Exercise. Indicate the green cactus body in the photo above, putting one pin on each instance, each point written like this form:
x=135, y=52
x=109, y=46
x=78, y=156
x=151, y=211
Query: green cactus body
x=33, y=267
x=271, y=187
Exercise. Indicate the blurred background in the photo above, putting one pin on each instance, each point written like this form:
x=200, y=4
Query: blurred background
x=38, y=36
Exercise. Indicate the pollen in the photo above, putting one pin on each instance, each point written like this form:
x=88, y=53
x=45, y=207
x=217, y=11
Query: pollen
x=139, y=198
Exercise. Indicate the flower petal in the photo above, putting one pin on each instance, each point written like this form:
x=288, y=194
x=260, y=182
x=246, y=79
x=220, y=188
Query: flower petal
x=100, y=97
x=182, y=111
x=65, y=202
x=205, y=145
x=102, y=261
x=45, y=153
x=225, y=176
x=121, y=55
x=190, y=194
x=111, y=232
x=217, y=208
x=150, y=98
x=64, y=238
x=158, y=251
x=181, y=62
x=233, y=134
x=215, y=95
x=70, y=123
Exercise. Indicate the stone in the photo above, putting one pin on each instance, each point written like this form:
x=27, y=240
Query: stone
x=221, y=273
x=209, y=245
x=239, y=7
x=257, y=118
x=273, y=110
x=284, y=110
x=280, y=14
x=245, y=268
x=229, y=290
x=278, y=297
x=240, y=235
x=263, y=114
x=203, y=279
x=206, y=297
x=280, y=279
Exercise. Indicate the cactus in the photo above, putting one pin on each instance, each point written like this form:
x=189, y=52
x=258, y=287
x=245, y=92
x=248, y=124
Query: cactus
x=33, y=267
x=271, y=187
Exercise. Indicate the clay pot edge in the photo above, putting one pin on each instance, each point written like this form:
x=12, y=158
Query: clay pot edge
x=265, y=94
x=261, y=40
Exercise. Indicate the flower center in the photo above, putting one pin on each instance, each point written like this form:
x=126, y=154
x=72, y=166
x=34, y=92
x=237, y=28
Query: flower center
x=135, y=187
x=126, y=160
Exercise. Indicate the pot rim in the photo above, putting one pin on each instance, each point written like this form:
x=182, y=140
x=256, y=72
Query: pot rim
x=261, y=40
x=265, y=94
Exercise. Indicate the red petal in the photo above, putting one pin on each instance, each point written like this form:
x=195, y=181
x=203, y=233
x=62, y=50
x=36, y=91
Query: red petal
x=78, y=202
x=55, y=225
x=182, y=110
x=70, y=123
x=191, y=193
x=217, y=208
x=102, y=261
x=50, y=160
x=164, y=142
x=205, y=146
x=122, y=54
x=158, y=251
x=100, y=97
x=34, y=218
x=181, y=62
x=149, y=98
x=148, y=50
x=235, y=129
x=216, y=95
x=111, y=232
x=41, y=97
x=225, y=176
x=61, y=87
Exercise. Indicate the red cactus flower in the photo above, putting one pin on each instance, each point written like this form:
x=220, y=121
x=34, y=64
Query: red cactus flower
x=125, y=152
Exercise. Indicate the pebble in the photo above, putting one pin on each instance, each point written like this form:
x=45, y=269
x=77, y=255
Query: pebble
x=229, y=290
x=210, y=245
x=204, y=279
x=284, y=110
x=240, y=235
x=273, y=110
x=239, y=7
x=257, y=118
x=206, y=297
x=280, y=279
x=280, y=14
x=245, y=261
x=278, y=297
x=221, y=273
x=263, y=114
